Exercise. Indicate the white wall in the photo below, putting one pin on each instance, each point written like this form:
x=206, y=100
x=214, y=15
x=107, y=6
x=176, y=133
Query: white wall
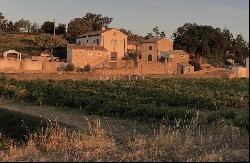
x=91, y=40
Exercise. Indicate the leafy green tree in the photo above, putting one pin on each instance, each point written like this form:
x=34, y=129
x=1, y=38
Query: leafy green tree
x=156, y=34
x=77, y=27
x=34, y=28
x=61, y=29
x=3, y=22
x=49, y=42
x=48, y=27
x=149, y=36
x=97, y=20
x=209, y=42
x=22, y=26
x=131, y=36
x=162, y=34
x=240, y=49
x=156, y=31
x=10, y=27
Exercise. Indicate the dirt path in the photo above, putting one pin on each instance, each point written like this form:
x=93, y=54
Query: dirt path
x=121, y=129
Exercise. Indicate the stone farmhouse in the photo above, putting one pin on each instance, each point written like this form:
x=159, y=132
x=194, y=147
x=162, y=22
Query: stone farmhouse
x=107, y=51
x=109, y=48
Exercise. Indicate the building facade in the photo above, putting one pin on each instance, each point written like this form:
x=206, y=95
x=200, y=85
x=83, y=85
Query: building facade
x=152, y=49
x=113, y=40
x=82, y=55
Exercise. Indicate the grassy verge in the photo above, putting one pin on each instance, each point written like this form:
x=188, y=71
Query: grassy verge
x=220, y=142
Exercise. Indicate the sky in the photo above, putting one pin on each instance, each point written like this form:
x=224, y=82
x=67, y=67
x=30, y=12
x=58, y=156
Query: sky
x=140, y=16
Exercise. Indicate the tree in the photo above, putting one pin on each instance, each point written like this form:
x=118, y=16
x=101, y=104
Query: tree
x=61, y=29
x=156, y=31
x=10, y=27
x=34, y=28
x=240, y=48
x=77, y=27
x=3, y=22
x=131, y=36
x=97, y=20
x=162, y=34
x=209, y=42
x=149, y=36
x=48, y=27
x=22, y=25
x=156, y=34
x=49, y=42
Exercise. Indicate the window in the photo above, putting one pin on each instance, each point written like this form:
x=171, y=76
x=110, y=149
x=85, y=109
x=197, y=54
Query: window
x=98, y=52
x=97, y=41
x=150, y=58
x=113, y=56
x=140, y=56
x=87, y=41
x=150, y=48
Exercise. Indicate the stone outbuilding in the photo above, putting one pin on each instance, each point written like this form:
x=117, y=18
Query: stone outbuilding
x=184, y=68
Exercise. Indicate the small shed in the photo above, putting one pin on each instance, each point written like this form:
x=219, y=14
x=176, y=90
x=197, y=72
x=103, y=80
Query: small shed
x=184, y=68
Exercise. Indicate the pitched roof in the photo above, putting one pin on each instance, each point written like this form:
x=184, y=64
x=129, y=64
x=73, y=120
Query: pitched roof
x=87, y=47
x=133, y=43
x=94, y=33
x=152, y=40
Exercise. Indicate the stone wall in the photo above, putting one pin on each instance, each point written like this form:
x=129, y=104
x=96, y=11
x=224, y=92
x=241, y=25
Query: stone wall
x=28, y=65
x=240, y=71
x=9, y=64
x=143, y=68
x=51, y=67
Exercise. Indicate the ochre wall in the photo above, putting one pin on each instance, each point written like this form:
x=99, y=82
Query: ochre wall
x=31, y=65
x=164, y=45
x=143, y=68
x=145, y=51
x=82, y=57
x=51, y=66
x=28, y=65
x=122, y=44
x=9, y=64
x=240, y=71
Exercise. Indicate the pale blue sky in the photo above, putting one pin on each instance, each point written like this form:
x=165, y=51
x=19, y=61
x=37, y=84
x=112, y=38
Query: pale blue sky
x=138, y=15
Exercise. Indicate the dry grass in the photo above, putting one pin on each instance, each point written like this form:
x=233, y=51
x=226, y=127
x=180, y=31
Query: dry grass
x=190, y=143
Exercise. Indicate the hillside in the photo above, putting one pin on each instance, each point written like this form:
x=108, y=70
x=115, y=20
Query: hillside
x=23, y=43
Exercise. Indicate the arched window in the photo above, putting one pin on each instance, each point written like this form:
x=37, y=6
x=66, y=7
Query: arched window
x=150, y=57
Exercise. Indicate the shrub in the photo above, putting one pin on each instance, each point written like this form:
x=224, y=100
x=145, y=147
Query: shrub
x=69, y=67
x=197, y=66
x=87, y=68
